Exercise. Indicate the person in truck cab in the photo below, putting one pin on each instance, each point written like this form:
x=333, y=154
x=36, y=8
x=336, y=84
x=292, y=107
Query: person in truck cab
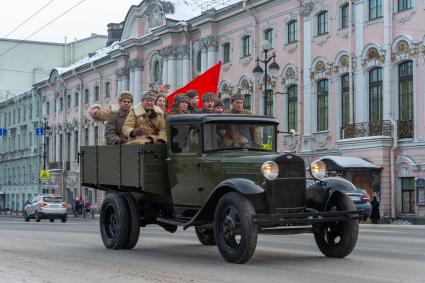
x=145, y=123
x=113, y=129
x=233, y=137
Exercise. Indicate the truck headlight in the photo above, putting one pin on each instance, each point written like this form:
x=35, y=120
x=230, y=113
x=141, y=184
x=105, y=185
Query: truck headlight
x=270, y=170
x=318, y=169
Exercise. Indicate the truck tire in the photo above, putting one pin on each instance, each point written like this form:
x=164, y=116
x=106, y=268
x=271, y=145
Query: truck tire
x=205, y=235
x=114, y=221
x=337, y=239
x=235, y=234
x=133, y=222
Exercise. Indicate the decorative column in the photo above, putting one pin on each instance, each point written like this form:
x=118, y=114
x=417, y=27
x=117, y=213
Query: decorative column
x=118, y=75
x=171, y=53
x=125, y=79
x=185, y=65
x=131, y=88
x=164, y=68
x=210, y=44
x=58, y=146
x=306, y=11
x=136, y=67
x=204, y=58
x=360, y=89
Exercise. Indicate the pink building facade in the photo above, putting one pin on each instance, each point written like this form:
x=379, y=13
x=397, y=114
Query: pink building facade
x=351, y=82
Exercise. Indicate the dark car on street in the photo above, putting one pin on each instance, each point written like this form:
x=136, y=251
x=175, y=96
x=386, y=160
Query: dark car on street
x=361, y=200
x=222, y=175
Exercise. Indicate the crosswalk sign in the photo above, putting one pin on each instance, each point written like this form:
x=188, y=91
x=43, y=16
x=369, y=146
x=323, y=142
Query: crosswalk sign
x=44, y=175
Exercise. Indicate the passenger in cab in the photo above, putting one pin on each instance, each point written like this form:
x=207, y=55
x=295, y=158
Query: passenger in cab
x=113, y=129
x=233, y=137
x=208, y=99
x=237, y=105
x=145, y=123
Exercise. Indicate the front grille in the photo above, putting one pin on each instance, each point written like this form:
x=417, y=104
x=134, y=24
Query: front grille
x=288, y=190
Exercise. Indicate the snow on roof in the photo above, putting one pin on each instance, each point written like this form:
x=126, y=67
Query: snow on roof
x=98, y=54
x=188, y=9
x=350, y=162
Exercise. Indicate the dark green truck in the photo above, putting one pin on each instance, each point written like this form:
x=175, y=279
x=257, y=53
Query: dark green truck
x=222, y=175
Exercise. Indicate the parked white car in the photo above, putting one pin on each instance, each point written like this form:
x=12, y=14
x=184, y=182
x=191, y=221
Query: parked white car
x=46, y=207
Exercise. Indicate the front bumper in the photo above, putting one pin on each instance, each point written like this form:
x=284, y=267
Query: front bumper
x=305, y=218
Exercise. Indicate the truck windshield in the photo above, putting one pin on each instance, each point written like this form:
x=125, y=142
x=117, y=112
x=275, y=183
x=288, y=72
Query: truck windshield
x=244, y=136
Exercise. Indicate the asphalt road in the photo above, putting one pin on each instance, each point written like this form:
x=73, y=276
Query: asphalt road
x=73, y=252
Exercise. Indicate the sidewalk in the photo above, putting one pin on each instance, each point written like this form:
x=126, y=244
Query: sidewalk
x=71, y=217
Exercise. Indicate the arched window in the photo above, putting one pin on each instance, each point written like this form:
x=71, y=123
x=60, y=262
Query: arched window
x=322, y=105
x=345, y=99
x=156, y=72
x=199, y=61
x=245, y=90
x=375, y=95
x=293, y=107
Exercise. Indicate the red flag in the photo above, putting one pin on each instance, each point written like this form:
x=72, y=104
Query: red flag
x=205, y=82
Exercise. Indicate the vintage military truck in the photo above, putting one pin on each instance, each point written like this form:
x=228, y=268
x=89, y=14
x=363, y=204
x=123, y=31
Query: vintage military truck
x=222, y=175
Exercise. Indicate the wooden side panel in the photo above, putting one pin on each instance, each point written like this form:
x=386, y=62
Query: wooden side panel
x=88, y=165
x=130, y=164
x=154, y=169
x=109, y=165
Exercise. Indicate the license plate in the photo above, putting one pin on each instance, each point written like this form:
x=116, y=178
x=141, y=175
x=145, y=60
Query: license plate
x=54, y=206
x=355, y=198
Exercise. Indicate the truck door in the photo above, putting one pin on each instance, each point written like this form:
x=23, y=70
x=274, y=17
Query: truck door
x=184, y=165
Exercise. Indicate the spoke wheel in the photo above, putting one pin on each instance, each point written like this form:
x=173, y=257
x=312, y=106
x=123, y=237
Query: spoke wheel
x=114, y=217
x=337, y=239
x=235, y=234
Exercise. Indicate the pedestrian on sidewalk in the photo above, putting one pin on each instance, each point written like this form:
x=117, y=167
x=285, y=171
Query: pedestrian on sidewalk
x=375, y=215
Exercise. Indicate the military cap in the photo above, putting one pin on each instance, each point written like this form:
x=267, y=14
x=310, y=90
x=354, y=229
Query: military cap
x=236, y=96
x=182, y=98
x=208, y=96
x=191, y=93
x=149, y=95
x=125, y=95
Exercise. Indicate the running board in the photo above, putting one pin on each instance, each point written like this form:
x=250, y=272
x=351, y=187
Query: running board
x=174, y=221
x=285, y=231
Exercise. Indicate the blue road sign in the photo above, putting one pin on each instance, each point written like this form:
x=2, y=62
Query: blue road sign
x=3, y=132
x=39, y=131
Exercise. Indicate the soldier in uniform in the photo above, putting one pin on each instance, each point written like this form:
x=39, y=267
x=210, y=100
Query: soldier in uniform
x=113, y=130
x=218, y=106
x=194, y=101
x=180, y=106
x=208, y=99
x=237, y=105
x=101, y=114
x=145, y=123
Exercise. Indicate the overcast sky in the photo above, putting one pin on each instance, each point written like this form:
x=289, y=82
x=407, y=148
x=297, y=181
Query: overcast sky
x=91, y=16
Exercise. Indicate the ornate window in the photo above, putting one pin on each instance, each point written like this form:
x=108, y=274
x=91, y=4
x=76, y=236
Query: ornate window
x=246, y=46
x=68, y=101
x=269, y=35
x=345, y=99
x=96, y=93
x=226, y=53
x=245, y=90
x=404, y=5
x=156, y=72
x=86, y=96
x=293, y=107
x=375, y=95
x=322, y=105
x=345, y=18
x=322, y=23
x=405, y=91
x=107, y=89
x=408, y=195
x=375, y=9
x=292, y=32
x=76, y=99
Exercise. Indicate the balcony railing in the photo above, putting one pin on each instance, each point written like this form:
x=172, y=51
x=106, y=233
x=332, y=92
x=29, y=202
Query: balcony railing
x=367, y=129
x=405, y=129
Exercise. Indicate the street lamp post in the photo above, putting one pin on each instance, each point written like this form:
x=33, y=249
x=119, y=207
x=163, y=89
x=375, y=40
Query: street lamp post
x=273, y=69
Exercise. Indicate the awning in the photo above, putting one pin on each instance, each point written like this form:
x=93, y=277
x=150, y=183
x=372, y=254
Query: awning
x=337, y=163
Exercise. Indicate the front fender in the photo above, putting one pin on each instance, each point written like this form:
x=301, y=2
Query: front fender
x=319, y=193
x=245, y=187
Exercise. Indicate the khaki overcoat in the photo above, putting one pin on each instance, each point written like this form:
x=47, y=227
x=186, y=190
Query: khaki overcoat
x=153, y=127
x=113, y=128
